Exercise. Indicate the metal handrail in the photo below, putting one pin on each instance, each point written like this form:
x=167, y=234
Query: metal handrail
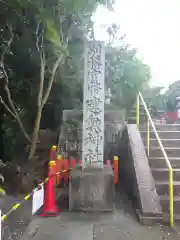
x=171, y=195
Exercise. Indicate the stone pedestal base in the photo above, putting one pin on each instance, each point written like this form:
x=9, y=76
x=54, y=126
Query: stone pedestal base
x=92, y=189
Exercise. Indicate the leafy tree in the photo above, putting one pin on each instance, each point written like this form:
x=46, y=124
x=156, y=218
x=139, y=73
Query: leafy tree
x=165, y=100
x=155, y=98
x=171, y=94
x=126, y=75
x=41, y=60
x=37, y=36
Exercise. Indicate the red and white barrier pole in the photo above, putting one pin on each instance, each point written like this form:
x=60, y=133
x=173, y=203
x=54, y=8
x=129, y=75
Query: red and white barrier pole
x=116, y=171
x=59, y=168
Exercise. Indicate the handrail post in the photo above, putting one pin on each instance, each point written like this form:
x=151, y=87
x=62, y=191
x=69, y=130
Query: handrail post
x=148, y=140
x=171, y=197
x=137, y=111
x=115, y=169
x=170, y=173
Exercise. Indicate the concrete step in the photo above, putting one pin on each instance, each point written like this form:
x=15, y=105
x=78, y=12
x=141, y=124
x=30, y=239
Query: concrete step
x=166, y=218
x=162, y=187
x=141, y=113
x=131, y=121
x=162, y=134
x=170, y=151
x=162, y=174
x=163, y=127
x=141, y=107
x=165, y=203
x=168, y=127
x=159, y=162
x=142, y=118
x=165, y=142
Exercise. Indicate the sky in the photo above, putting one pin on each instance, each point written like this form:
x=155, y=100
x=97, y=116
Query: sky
x=153, y=27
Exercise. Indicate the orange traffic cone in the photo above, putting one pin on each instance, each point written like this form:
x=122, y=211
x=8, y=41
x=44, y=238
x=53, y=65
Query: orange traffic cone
x=116, y=170
x=50, y=209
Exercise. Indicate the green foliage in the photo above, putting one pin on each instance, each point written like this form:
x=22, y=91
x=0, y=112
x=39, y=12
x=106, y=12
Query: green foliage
x=171, y=94
x=162, y=100
x=126, y=75
x=155, y=98
x=61, y=27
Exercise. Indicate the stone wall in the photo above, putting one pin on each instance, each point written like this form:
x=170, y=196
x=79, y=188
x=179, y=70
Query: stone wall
x=135, y=174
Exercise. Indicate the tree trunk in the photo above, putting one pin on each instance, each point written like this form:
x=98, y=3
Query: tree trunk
x=35, y=133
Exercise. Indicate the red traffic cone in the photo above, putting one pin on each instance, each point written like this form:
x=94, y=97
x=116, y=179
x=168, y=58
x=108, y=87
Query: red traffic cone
x=80, y=163
x=52, y=153
x=73, y=163
x=50, y=209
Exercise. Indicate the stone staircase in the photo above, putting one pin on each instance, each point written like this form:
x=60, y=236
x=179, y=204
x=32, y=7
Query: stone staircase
x=170, y=137
x=132, y=114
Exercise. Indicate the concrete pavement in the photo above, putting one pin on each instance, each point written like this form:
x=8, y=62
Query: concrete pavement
x=70, y=226
x=17, y=221
x=100, y=226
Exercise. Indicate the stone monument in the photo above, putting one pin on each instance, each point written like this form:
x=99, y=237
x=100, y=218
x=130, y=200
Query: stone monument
x=92, y=188
x=93, y=105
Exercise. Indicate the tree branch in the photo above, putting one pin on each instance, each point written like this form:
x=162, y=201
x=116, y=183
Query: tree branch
x=9, y=26
x=13, y=110
x=6, y=107
x=40, y=48
x=41, y=83
x=6, y=88
x=46, y=95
